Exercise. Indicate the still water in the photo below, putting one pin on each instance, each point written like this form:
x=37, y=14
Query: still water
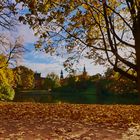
x=43, y=96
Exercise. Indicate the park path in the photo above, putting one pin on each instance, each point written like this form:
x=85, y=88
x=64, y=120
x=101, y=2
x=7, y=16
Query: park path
x=55, y=129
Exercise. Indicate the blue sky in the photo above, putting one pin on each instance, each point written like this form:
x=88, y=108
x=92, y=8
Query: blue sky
x=44, y=63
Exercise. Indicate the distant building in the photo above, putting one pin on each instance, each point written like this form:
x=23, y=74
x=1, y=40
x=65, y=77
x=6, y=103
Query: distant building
x=78, y=77
x=83, y=75
x=61, y=77
x=39, y=81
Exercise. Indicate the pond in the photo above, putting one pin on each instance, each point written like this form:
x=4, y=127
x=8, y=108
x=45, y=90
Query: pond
x=43, y=96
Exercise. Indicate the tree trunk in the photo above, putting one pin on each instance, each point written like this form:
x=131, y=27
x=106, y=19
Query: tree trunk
x=138, y=65
x=137, y=48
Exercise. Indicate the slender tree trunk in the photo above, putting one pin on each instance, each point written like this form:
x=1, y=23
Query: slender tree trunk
x=137, y=48
x=138, y=62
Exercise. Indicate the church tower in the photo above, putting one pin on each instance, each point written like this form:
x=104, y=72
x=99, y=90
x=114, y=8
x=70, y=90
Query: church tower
x=61, y=75
x=84, y=72
x=61, y=78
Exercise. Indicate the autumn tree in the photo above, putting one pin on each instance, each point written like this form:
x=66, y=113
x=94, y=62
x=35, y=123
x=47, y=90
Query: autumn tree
x=12, y=50
x=71, y=81
x=10, y=47
x=6, y=82
x=51, y=81
x=24, y=78
x=116, y=83
x=105, y=31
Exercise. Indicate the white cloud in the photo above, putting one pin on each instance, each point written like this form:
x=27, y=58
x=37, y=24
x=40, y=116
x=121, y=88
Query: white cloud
x=43, y=68
x=57, y=64
x=91, y=68
x=26, y=33
x=21, y=30
x=46, y=63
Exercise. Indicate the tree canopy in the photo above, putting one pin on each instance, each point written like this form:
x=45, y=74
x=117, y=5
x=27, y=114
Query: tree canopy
x=8, y=10
x=104, y=31
x=51, y=81
x=11, y=50
x=6, y=81
x=11, y=47
x=24, y=78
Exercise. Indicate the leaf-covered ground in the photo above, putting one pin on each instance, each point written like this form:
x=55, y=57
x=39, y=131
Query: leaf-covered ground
x=30, y=121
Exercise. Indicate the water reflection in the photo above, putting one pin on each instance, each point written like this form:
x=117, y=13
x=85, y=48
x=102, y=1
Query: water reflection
x=33, y=97
x=80, y=98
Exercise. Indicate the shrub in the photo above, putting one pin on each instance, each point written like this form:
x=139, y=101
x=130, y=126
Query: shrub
x=6, y=92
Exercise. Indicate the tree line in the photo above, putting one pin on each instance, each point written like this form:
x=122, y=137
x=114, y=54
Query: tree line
x=15, y=80
x=101, y=30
